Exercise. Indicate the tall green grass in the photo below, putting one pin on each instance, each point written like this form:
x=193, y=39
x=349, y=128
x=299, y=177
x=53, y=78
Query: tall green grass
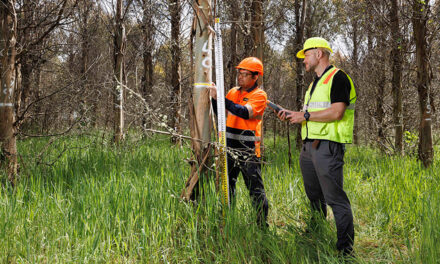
x=85, y=201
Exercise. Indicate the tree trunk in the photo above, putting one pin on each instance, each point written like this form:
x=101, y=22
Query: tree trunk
x=257, y=29
x=355, y=27
x=396, y=66
x=118, y=96
x=234, y=61
x=85, y=47
x=248, y=40
x=174, y=7
x=380, y=90
x=420, y=17
x=200, y=119
x=300, y=16
x=8, y=37
x=148, y=31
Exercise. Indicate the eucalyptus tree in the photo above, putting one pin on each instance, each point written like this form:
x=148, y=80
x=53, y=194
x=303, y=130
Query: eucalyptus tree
x=148, y=43
x=396, y=66
x=8, y=75
x=120, y=43
x=199, y=109
x=174, y=7
x=420, y=17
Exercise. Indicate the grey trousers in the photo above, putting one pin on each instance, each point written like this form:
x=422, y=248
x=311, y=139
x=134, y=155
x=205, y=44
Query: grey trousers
x=322, y=170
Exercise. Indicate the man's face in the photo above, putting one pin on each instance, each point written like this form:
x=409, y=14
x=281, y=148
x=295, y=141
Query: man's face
x=311, y=59
x=245, y=79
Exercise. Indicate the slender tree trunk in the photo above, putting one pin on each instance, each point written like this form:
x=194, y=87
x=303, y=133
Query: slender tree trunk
x=396, y=67
x=300, y=16
x=355, y=27
x=248, y=40
x=200, y=119
x=380, y=90
x=289, y=153
x=234, y=61
x=148, y=31
x=24, y=60
x=420, y=17
x=8, y=37
x=275, y=133
x=37, y=89
x=23, y=92
x=118, y=96
x=174, y=7
x=369, y=120
x=85, y=47
x=257, y=29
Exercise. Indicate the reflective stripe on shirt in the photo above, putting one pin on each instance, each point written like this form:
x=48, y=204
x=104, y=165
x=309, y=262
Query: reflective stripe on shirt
x=242, y=137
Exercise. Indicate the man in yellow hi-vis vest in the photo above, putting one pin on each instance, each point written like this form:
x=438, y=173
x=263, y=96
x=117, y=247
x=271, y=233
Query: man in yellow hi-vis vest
x=327, y=124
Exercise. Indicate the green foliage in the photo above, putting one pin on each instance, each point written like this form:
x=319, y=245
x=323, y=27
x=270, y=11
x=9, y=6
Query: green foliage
x=411, y=143
x=89, y=202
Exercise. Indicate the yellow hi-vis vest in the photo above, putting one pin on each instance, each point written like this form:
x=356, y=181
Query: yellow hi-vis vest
x=338, y=131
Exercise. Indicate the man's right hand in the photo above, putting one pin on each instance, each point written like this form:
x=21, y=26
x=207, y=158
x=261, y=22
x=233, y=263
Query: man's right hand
x=213, y=91
x=284, y=113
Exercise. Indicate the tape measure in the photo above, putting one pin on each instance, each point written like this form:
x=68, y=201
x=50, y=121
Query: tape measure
x=221, y=113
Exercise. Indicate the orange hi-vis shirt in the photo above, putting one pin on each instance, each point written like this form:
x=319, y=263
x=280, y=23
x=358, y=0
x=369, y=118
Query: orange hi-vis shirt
x=247, y=129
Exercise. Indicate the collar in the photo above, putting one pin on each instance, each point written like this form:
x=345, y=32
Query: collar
x=251, y=89
x=326, y=70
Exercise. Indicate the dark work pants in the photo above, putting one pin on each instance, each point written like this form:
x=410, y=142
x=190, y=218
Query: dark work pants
x=250, y=167
x=322, y=170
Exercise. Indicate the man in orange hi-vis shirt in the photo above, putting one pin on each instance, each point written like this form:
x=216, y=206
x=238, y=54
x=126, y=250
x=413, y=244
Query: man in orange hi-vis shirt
x=245, y=107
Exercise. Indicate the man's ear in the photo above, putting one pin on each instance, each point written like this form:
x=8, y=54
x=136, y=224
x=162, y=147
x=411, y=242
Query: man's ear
x=319, y=53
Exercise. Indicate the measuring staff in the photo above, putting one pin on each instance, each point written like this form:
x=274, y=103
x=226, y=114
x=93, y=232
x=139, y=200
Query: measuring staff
x=245, y=105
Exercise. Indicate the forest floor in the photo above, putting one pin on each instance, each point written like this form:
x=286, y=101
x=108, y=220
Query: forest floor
x=81, y=200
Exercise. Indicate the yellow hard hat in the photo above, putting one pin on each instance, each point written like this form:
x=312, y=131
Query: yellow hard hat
x=313, y=43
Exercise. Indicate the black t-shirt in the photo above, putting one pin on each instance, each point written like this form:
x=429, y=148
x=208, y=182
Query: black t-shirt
x=340, y=91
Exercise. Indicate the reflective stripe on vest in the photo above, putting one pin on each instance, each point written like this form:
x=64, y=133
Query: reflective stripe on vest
x=314, y=105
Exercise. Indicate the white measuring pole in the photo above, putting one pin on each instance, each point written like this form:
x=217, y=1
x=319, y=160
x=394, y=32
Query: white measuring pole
x=221, y=112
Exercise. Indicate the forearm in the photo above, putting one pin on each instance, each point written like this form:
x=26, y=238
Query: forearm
x=334, y=112
x=236, y=109
x=326, y=115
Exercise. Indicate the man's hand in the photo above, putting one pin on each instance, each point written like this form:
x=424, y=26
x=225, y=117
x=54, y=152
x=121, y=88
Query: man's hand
x=296, y=117
x=283, y=114
x=293, y=117
x=213, y=91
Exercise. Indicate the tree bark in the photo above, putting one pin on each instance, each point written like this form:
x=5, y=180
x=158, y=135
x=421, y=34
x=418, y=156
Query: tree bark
x=257, y=29
x=148, y=31
x=300, y=16
x=355, y=38
x=8, y=38
x=248, y=40
x=381, y=79
x=200, y=118
x=420, y=18
x=396, y=66
x=234, y=61
x=174, y=7
x=118, y=96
